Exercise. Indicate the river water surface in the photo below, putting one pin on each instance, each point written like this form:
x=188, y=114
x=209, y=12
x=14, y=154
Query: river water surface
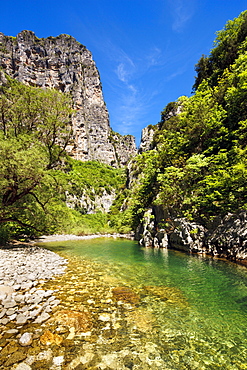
x=154, y=308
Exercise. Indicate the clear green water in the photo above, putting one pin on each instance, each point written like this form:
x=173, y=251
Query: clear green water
x=210, y=331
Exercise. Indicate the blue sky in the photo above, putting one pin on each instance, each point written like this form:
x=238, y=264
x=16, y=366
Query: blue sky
x=145, y=50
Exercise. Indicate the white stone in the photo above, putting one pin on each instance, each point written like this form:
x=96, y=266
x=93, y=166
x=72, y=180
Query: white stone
x=71, y=333
x=45, y=355
x=58, y=360
x=26, y=339
x=5, y=289
x=22, y=366
x=104, y=317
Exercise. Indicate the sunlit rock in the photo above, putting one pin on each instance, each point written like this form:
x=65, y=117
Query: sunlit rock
x=49, y=338
x=62, y=63
x=26, y=339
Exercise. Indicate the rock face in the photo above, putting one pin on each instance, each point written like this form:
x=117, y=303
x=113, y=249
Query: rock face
x=228, y=239
x=64, y=64
x=188, y=236
x=101, y=202
x=147, y=139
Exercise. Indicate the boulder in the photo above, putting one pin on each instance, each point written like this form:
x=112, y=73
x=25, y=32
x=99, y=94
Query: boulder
x=229, y=239
x=188, y=236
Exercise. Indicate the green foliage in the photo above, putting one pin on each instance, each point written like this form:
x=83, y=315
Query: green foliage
x=198, y=168
x=43, y=114
x=228, y=44
x=35, y=129
x=94, y=176
x=78, y=224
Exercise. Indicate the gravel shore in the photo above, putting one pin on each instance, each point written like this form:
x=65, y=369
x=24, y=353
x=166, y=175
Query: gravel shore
x=58, y=237
x=22, y=268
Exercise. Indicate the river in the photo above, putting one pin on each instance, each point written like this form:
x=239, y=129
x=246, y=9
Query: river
x=153, y=308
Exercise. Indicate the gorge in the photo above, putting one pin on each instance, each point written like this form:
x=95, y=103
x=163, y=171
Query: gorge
x=185, y=188
x=88, y=301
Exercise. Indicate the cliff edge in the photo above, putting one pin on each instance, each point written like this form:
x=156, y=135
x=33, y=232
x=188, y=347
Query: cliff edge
x=64, y=64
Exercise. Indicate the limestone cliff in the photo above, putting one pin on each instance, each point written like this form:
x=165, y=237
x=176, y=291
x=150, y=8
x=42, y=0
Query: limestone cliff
x=147, y=138
x=64, y=64
x=227, y=238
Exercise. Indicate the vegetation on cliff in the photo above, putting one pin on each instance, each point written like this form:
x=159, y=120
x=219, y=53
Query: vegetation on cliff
x=36, y=174
x=198, y=167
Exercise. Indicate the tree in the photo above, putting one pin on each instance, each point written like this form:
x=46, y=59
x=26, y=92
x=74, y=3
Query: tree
x=35, y=130
x=229, y=43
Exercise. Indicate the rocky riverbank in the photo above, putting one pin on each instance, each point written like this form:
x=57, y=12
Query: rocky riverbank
x=226, y=239
x=78, y=317
x=22, y=269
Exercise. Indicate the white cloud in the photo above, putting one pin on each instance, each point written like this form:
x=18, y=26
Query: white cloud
x=125, y=67
x=121, y=72
x=178, y=72
x=182, y=11
x=154, y=58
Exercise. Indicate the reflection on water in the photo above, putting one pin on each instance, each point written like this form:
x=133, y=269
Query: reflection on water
x=190, y=308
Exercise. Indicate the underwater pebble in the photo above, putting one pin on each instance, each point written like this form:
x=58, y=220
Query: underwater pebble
x=104, y=317
x=43, y=317
x=22, y=366
x=58, y=360
x=26, y=339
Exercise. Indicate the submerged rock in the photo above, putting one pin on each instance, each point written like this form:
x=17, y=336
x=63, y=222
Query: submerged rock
x=26, y=339
x=141, y=319
x=170, y=295
x=126, y=295
x=80, y=320
x=22, y=366
x=49, y=338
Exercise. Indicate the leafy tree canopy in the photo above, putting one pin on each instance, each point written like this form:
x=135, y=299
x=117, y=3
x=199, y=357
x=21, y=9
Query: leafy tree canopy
x=35, y=129
x=229, y=43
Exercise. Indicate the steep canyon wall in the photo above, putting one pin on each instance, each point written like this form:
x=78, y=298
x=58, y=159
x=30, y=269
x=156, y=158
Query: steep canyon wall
x=64, y=64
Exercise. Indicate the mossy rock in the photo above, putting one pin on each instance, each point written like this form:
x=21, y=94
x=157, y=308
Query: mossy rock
x=15, y=358
x=48, y=338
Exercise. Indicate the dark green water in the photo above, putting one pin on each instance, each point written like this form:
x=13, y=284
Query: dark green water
x=211, y=331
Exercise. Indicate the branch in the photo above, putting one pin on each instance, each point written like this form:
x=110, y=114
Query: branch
x=11, y=196
x=13, y=219
x=38, y=201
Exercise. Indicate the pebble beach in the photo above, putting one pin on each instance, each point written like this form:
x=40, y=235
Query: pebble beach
x=22, y=269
